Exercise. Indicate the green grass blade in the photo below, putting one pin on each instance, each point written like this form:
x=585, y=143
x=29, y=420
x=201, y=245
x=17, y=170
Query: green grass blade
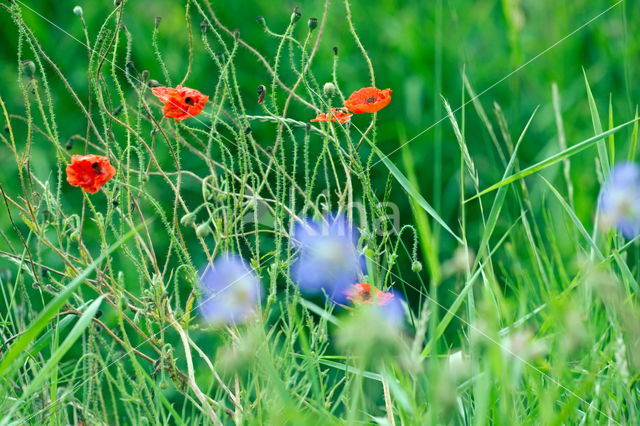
x=573, y=150
x=577, y=223
x=413, y=192
x=634, y=139
x=597, y=127
x=52, y=308
x=52, y=363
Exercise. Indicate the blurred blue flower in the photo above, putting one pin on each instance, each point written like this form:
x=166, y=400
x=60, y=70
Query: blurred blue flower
x=620, y=200
x=392, y=310
x=328, y=259
x=231, y=291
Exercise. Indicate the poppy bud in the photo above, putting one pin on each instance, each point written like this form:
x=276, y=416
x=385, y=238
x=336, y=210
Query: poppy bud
x=153, y=83
x=188, y=219
x=145, y=75
x=158, y=20
x=335, y=50
x=29, y=68
x=203, y=230
x=416, y=266
x=262, y=91
x=329, y=89
x=313, y=23
x=296, y=15
x=203, y=26
x=131, y=66
x=261, y=21
x=78, y=11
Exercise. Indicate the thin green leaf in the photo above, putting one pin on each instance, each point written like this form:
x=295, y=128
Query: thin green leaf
x=569, y=152
x=413, y=192
x=52, y=308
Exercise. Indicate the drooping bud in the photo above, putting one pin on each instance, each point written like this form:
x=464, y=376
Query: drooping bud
x=69, y=145
x=78, y=11
x=261, y=21
x=313, y=24
x=329, y=90
x=296, y=15
x=29, y=68
x=203, y=230
x=153, y=83
x=188, y=219
x=145, y=75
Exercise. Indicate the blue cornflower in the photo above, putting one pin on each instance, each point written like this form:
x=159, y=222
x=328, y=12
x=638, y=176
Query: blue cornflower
x=328, y=260
x=231, y=291
x=620, y=200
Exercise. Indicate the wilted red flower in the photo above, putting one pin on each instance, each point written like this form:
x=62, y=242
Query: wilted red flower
x=180, y=102
x=368, y=99
x=338, y=115
x=363, y=293
x=89, y=172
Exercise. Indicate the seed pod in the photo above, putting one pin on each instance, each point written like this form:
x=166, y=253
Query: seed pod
x=313, y=24
x=296, y=15
x=78, y=11
x=416, y=266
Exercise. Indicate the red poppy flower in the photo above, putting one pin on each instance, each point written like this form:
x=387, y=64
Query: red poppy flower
x=89, y=172
x=368, y=99
x=362, y=293
x=180, y=102
x=338, y=115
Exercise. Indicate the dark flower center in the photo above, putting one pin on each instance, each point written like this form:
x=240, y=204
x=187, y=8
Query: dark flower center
x=371, y=100
x=366, y=294
x=96, y=166
x=189, y=100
